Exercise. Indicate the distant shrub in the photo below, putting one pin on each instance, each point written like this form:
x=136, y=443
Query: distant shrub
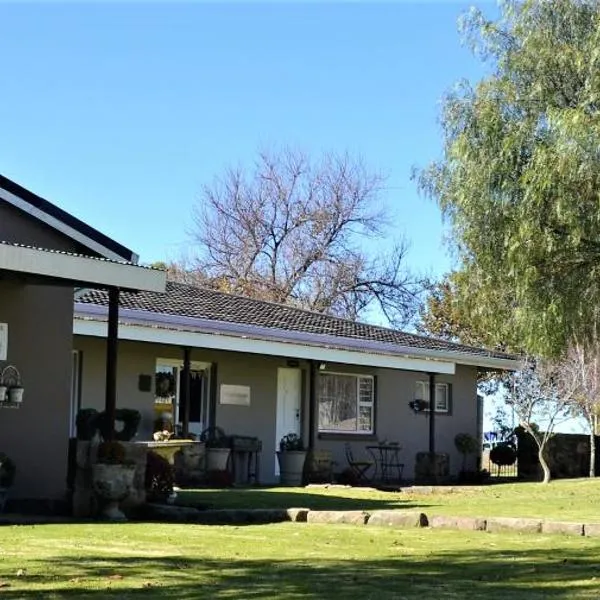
x=503, y=455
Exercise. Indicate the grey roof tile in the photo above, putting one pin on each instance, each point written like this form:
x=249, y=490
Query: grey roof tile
x=201, y=303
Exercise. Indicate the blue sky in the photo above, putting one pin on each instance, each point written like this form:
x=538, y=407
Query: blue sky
x=120, y=112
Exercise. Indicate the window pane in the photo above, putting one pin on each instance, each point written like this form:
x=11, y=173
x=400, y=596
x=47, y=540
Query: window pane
x=345, y=403
x=441, y=397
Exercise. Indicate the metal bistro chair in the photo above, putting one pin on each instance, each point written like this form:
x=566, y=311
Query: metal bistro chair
x=360, y=468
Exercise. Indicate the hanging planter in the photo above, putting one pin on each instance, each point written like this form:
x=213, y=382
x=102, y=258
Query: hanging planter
x=11, y=389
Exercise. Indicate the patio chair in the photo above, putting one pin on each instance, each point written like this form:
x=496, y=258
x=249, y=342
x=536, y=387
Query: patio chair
x=360, y=468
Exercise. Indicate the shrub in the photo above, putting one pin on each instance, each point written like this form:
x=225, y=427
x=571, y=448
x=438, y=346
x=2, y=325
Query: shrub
x=159, y=477
x=503, y=455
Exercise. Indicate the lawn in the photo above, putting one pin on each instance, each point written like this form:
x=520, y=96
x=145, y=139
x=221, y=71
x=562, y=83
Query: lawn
x=290, y=562
x=566, y=500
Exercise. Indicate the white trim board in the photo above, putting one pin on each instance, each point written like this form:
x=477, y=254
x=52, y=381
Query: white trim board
x=59, y=225
x=213, y=341
x=80, y=269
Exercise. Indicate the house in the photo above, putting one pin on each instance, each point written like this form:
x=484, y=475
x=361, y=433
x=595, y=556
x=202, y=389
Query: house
x=45, y=254
x=263, y=369
x=253, y=368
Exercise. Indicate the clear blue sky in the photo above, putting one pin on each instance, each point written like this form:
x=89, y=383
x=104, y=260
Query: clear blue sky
x=120, y=112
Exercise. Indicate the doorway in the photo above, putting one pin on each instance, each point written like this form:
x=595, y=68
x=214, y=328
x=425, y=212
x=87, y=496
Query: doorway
x=289, y=399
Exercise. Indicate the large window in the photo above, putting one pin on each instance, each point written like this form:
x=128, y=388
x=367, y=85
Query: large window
x=346, y=403
x=442, y=395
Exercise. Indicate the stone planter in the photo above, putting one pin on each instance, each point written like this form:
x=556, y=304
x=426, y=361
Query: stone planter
x=217, y=458
x=112, y=484
x=291, y=467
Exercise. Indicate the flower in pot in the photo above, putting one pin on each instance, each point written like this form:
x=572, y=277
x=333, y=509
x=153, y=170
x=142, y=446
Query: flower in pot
x=112, y=478
x=218, y=448
x=291, y=457
x=8, y=470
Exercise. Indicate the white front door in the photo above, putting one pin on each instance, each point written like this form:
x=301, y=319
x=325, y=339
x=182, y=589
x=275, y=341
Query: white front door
x=289, y=395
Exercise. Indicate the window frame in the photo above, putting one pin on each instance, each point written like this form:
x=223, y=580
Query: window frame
x=447, y=386
x=344, y=432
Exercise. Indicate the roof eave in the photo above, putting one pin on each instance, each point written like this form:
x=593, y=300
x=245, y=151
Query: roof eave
x=152, y=319
x=80, y=270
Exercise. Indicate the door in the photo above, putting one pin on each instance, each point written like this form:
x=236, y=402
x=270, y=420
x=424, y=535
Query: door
x=289, y=396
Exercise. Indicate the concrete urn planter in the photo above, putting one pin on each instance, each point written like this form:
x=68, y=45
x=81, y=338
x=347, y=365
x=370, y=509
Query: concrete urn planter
x=217, y=458
x=291, y=466
x=112, y=484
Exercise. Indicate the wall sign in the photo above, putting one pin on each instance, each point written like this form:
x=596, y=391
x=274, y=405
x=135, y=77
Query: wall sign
x=3, y=341
x=235, y=394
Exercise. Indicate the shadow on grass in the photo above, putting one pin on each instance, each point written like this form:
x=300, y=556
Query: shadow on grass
x=277, y=498
x=477, y=573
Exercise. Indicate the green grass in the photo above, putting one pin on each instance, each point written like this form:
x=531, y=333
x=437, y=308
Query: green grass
x=567, y=500
x=290, y=562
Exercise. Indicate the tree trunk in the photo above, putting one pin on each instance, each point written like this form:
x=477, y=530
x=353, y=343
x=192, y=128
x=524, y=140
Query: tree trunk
x=592, y=454
x=545, y=467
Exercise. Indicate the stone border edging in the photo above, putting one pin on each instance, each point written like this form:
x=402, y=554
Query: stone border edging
x=398, y=518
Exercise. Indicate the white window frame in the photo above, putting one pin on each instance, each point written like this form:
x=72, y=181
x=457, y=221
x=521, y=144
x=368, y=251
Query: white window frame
x=422, y=387
x=371, y=404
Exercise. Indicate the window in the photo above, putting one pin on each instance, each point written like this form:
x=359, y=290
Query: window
x=346, y=403
x=442, y=395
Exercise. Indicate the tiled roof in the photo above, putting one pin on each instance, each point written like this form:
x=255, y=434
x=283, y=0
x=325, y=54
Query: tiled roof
x=189, y=301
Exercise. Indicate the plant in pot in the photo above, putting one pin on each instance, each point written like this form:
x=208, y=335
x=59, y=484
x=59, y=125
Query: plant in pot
x=8, y=470
x=112, y=479
x=467, y=445
x=218, y=448
x=291, y=457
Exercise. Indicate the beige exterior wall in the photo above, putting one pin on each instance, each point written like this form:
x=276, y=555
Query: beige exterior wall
x=395, y=421
x=40, y=326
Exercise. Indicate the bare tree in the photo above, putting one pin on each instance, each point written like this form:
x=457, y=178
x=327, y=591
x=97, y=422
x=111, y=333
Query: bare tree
x=295, y=230
x=542, y=398
x=581, y=369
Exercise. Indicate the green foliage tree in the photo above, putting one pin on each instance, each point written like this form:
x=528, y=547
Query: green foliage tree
x=520, y=172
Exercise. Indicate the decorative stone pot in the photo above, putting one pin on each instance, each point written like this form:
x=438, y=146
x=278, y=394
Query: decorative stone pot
x=291, y=467
x=3, y=393
x=217, y=458
x=112, y=484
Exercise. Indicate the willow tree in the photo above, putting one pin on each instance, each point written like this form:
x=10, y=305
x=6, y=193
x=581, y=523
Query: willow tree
x=519, y=180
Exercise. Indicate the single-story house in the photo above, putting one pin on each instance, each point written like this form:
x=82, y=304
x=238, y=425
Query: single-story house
x=203, y=357
x=263, y=369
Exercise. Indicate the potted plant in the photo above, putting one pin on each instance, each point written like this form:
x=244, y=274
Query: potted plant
x=466, y=444
x=112, y=479
x=218, y=448
x=8, y=470
x=291, y=457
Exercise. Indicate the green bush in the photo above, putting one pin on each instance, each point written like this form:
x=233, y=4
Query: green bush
x=503, y=455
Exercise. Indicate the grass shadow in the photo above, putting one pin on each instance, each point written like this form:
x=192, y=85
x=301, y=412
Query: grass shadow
x=530, y=574
x=277, y=498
